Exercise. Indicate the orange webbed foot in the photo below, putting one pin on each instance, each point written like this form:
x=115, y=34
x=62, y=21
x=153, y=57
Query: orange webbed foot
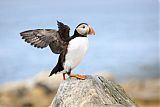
x=81, y=77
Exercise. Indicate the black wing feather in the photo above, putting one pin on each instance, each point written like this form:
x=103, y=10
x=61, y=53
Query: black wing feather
x=41, y=38
x=63, y=30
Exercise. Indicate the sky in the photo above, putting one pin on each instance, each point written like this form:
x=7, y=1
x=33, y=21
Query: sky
x=126, y=41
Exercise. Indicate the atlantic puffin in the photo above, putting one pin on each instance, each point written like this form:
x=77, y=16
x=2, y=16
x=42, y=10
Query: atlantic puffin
x=71, y=49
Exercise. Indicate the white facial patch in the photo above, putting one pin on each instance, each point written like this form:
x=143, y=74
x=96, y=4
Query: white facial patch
x=82, y=29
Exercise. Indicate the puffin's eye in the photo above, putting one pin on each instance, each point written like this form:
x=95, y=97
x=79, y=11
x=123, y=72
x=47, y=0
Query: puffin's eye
x=83, y=27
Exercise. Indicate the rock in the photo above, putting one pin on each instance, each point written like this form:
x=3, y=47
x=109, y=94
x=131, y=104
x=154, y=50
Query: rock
x=35, y=92
x=95, y=91
x=51, y=83
x=40, y=90
x=145, y=92
x=107, y=75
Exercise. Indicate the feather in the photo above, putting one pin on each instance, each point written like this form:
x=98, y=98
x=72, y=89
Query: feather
x=41, y=38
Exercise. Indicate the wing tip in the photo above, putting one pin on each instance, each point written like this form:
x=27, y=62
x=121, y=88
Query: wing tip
x=21, y=33
x=50, y=74
x=59, y=23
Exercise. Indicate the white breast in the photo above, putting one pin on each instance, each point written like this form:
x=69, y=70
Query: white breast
x=76, y=50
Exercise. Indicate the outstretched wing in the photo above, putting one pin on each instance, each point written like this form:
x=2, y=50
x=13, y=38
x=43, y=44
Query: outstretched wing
x=41, y=38
x=63, y=30
x=61, y=43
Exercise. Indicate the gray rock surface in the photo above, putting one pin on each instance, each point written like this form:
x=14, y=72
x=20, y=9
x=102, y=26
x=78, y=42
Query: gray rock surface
x=95, y=91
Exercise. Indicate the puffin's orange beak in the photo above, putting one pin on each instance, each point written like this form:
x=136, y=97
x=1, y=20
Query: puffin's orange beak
x=91, y=31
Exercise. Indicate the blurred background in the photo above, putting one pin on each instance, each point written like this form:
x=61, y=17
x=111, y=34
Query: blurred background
x=125, y=47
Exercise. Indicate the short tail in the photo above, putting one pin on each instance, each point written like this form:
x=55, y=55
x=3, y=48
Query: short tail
x=57, y=68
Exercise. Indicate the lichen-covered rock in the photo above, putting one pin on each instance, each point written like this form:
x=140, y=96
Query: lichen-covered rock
x=92, y=92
